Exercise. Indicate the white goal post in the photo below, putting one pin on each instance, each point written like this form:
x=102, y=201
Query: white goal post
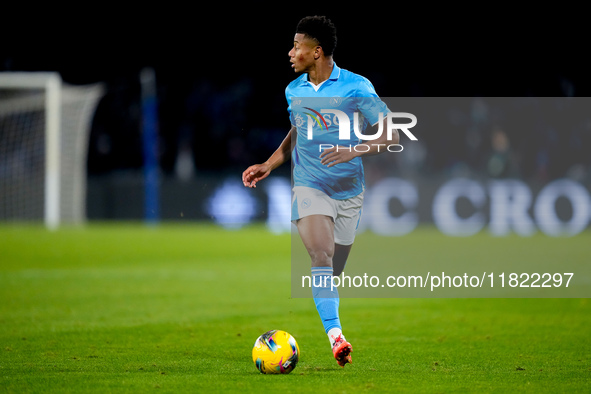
x=44, y=131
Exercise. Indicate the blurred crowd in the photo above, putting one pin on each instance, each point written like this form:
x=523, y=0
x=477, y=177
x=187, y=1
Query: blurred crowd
x=208, y=126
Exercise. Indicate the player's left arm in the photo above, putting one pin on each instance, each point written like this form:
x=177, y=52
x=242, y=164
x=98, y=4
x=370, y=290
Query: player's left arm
x=340, y=154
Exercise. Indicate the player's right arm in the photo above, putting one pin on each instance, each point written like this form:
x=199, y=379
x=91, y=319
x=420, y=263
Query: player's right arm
x=258, y=172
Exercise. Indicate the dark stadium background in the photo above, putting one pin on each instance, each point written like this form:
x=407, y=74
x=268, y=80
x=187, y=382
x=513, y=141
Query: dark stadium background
x=221, y=72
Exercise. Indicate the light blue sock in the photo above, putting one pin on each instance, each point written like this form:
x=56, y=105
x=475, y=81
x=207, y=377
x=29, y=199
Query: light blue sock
x=325, y=298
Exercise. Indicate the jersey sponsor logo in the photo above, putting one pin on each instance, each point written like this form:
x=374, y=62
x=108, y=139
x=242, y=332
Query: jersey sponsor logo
x=317, y=117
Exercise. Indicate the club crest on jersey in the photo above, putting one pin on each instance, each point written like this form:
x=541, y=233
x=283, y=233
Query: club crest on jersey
x=335, y=101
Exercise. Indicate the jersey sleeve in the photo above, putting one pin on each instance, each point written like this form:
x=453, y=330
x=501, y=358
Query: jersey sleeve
x=288, y=97
x=369, y=103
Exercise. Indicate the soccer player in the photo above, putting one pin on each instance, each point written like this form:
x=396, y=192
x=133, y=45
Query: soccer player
x=328, y=182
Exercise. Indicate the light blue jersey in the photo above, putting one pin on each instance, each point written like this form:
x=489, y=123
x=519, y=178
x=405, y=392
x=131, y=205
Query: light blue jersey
x=309, y=109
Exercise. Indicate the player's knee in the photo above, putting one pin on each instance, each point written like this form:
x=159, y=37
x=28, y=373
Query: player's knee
x=321, y=258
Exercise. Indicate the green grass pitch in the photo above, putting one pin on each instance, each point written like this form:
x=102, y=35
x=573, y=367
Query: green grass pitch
x=176, y=308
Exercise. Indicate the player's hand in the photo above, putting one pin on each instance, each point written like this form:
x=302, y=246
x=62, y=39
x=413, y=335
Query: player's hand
x=334, y=156
x=255, y=173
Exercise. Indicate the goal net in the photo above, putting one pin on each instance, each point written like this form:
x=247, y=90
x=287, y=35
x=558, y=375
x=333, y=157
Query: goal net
x=44, y=131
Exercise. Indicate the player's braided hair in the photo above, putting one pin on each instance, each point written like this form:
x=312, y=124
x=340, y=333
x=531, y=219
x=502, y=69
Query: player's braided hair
x=321, y=29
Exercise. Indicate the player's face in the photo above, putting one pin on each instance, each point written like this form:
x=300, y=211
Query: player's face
x=303, y=53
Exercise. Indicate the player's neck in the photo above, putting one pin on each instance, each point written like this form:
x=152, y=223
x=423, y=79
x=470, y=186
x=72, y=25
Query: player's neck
x=321, y=71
